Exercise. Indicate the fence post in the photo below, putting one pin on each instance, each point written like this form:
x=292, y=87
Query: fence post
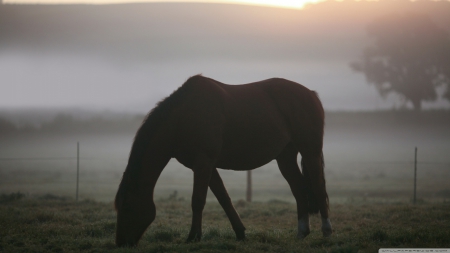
x=249, y=186
x=78, y=168
x=415, y=175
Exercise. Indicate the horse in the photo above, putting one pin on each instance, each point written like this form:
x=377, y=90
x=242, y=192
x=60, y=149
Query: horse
x=206, y=125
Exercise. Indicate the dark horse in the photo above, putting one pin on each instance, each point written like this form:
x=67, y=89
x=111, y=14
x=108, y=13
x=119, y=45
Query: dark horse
x=207, y=125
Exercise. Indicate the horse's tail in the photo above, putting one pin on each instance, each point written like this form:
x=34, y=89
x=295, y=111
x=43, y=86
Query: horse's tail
x=313, y=172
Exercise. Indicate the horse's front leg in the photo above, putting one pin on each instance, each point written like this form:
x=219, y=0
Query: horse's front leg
x=202, y=175
x=217, y=187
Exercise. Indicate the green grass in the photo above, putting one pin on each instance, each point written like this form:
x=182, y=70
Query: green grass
x=55, y=224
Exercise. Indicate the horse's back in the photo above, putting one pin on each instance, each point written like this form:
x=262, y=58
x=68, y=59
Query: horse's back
x=245, y=126
x=279, y=102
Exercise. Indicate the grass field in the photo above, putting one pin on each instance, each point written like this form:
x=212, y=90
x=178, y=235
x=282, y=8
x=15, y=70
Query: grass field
x=54, y=224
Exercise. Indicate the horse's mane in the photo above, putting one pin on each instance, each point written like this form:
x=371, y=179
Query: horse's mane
x=150, y=123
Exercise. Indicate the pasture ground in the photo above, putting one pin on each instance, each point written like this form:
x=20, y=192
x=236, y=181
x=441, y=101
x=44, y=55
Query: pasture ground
x=56, y=224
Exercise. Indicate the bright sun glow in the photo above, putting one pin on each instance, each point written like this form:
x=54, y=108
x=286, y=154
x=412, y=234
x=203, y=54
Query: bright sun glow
x=296, y=4
x=293, y=4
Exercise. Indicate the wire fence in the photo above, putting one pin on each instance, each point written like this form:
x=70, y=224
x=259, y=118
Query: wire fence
x=97, y=171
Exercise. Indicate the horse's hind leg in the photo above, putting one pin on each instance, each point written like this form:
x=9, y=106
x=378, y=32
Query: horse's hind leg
x=218, y=188
x=313, y=166
x=287, y=162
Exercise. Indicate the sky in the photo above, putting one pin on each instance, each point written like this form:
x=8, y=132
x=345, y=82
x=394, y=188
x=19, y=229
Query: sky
x=295, y=4
x=126, y=57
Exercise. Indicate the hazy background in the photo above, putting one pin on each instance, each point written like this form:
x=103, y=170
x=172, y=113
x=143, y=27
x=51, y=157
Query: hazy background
x=89, y=73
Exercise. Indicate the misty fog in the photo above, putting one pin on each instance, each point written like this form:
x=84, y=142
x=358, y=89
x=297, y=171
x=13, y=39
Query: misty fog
x=127, y=57
x=368, y=155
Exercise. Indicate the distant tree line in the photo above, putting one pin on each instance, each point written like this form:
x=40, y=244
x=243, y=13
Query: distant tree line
x=67, y=124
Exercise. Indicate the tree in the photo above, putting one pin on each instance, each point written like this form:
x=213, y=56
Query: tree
x=410, y=57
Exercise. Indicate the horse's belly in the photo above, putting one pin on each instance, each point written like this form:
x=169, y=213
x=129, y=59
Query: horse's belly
x=241, y=151
x=245, y=153
x=253, y=136
x=251, y=162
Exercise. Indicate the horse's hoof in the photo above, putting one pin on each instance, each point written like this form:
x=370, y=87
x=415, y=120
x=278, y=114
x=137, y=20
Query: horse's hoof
x=240, y=236
x=303, y=227
x=193, y=237
x=327, y=234
x=191, y=240
x=301, y=236
x=326, y=227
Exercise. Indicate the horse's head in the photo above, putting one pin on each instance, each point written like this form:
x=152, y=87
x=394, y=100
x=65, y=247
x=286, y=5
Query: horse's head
x=135, y=212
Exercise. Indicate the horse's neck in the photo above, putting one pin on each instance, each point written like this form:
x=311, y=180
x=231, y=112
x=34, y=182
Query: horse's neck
x=154, y=159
